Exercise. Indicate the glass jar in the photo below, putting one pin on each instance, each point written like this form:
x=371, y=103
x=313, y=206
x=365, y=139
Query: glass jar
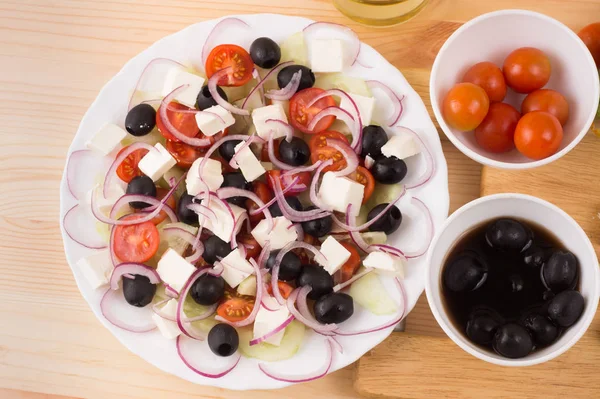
x=380, y=12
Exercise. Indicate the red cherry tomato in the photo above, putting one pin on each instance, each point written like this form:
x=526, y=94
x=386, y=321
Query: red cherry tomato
x=538, y=135
x=591, y=37
x=527, y=69
x=548, y=101
x=284, y=288
x=497, y=131
x=264, y=151
x=251, y=245
x=319, y=150
x=184, y=154
x=183, y=122
x=264, y=193
x=128, y=169
x=465, y=106
x=301, y=116
x=303, y=178
x=230, y=55
x=136, y=242
x=352, y=264
x=490, y=78
x=235, y=307
x=364, y=177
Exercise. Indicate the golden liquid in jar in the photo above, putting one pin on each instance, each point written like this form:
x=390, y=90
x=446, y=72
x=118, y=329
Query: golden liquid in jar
x=380, y=12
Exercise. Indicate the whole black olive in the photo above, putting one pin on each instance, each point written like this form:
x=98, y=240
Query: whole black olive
x=295, y=153
x=187, y=215
x=293, y=202
x=513, y=341
x=482, y=326
x=223, y=340
x=316, y=277
x=389, y=170
x=265, y=52
x=334, y=308
x=566, y=308
x=517, y=283
x=208, y=290
x=543, y=331
x=561, y=271
x=534, y=256
x=388, y=222
x=465, y=273
x=227, y=149
x=215, y=248
x=285, y=76
x=317, y=227
x=508, y=235
x=141, y=185
x=205, y=99
x=140, y=120
x=138, y=291
x=237, y=180
x=290, y=266
x=373, y=138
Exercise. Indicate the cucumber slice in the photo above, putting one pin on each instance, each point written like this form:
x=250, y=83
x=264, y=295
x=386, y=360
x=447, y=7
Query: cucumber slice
x=151, y=138
x=174, y=174
x=290, y=344
x=383, y=193
x=248, y=286
x=235, y=93
x=370, y=293
x=340, y=81
x=175, y=243
x=370, y=237
x=294, y=49
x=192, y=309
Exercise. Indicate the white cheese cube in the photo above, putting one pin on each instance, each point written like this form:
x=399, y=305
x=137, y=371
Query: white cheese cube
x=385, y=263
x=267, y=320
x=339, y=192
x=261, y=115
x=156, y=163
x=285, y=104
x=365, y=105
x=401, y=146
x=96, y=268
x=178, y=77
x=210, y=124
x=106, y=139
x=174, y=270
x=211, y=174
x=250, y=166
x=225, y=221
x=283, y=232
x=335, y=255
x=235, y=268
x=169, y=329
x=327, y=55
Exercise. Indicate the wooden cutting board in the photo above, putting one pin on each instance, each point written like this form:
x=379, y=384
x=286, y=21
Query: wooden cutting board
x=414, y=366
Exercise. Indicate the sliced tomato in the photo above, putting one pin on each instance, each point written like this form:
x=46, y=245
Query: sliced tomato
x=285, y=289
x=230, y=55
x=264, y=193
x=264, y=152
x=184, y=154
x=302, y=253
x=319, y=150
x=183, y=122
x=304, y=178
x=352, y=264
x=136, y=242
x=235, y=307
x=301, y=116
x=251, y=245
x=160, y=194
x=364, y=177
x=128, y=169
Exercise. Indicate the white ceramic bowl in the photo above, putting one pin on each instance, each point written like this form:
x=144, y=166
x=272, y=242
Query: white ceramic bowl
x=528, y=208
x=492, y=37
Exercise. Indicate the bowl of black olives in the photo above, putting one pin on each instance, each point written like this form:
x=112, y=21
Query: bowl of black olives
x=513, y=279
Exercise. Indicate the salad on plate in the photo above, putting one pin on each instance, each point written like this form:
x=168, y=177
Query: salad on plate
x=239, y=207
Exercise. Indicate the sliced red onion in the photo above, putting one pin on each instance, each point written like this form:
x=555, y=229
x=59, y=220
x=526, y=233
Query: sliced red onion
x=121, y=314
x=393, y=98
x=335, y=344
x=205, y=212
x=258, y=87
x=347, y=152
x=429, y=160
x=353, y=42
x=262, y=81
x=133, y=269
x=212, y=88
x=314, y=197
x=264, y=255
x=226, y=25
x=289, y=130
x=146, y=69
x=171, y=292
x=112, y=171
x=187, y=237
x=237, y=226
x=81, y=228
x=369, y=162
x=156, y=308
x=288, y=91
x=273, y=332
x=182, y=322
x=264, y=303
x=228, y=192
x=342, y=115
x=113, y=257
x=280, y=164
x=301, y=302
x=273, y=200
x=289, y=212
x=389, y=250
x=358, y=276
x=422, y=250
x=160, y=207
x=252, y=139
x=355, y=235
x=215, y=147
x=82, y=167
x=310, y=322
x=300, y=169
x=183, y=347
x=162, y=111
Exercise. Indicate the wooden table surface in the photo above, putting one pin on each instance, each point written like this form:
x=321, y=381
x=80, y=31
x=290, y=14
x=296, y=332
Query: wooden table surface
x=55, y=55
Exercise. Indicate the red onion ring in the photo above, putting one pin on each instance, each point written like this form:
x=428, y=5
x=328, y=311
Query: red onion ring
x=288, y=91
x=336, y=345
x=345, y=284
x=252, y=139
x=273, y=332
x=280, y=164
x=389, y=250
x=264, y=207
x=429, y=161
x=344, y=116
x=112, y=171
x=237, y=226
x=354, y=41
x=171, y=292
x=218, y=373
x=393, y=97
x=146, y=69
x=258, y=87
x=204, y=211
x=71, y=223
x=289, y=212
x=262, y=82
x=187, y=237
x=289, y=130
x=352, y=161
x=226, y=24
x=212, y=88
x=80, y=166
x=162, y=111
x=307, y=315
x=228, y=192
x=133, y=269
x=310, y=322
x=300, y=169
x=120, y=314
x=215, y=147
x=160, y=207
x=428, y=235
x=355, y=235
x=314, y=197
x=264, y=255
x=181, y=318
x=157, y=310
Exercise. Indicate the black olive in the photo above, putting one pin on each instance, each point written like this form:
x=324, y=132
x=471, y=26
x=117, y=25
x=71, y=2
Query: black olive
x=508, y=235
x=295, y=153
x=513, y=341
x=389, y=170
x=293, y=202
x=566, y=308
x=141, y=185
x=482, y=326
x=285, y=76
x=516, y=282
x=561, y=271
x=316, y=277
x=543, y=331
x=334, y=308
x=317, y=227
x=373, y=138
x=237, y=180
x=290, y=266
x=465, y=273
x=138, y=291
x=208, y=290
x=534, y=256
x=548, y=295
x=205, y=100
x=265, y=52
x=223, y=340
x=388, y=222
x=140, y=120
x=187, y=215
x=215, y=248
x=227, y=149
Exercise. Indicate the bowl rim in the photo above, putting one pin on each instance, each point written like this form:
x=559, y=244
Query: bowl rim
x=477, y=156
x=431, y=290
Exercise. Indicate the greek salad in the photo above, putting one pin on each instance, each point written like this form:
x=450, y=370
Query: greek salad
x=246, y=204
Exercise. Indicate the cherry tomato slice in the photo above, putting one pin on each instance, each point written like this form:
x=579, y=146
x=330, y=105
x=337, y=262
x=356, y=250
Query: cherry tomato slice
x=284, y=288
x=230, y=55
x=538, y=135
x=235, y=307
x=352, y=264
x=183, y=122
x=264, y=193
x=304, y=178
x=136, y=242
x=300, y=116
x=128, y=169
x=251, y=245
x=184, y=154
x=264, y=152
x=364, y=177
x=319, y=150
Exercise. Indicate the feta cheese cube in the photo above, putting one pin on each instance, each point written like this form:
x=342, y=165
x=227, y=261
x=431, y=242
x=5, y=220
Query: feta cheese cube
x=266, y=321
x=104, y=204
x=260, y=117
x=285, y=104
x=178, y=77
x=335, y=254
x=385, y=263
x=327, y=55
x=210, y=124
x=106, y=139
x=235, y=268
x=401, y=146
x=339, y=192
x=283, y=232
x=225, y=221
x=174, y=270
x=250, y=166
x=211, y=174
x=169, y=329
x=365, y=105
x=96, y=268
x=156, y=163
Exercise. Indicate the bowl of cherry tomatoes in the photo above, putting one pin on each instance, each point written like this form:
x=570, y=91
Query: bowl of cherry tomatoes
x=514, y=89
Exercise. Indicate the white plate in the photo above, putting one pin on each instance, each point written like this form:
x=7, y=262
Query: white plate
x=185, y=46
